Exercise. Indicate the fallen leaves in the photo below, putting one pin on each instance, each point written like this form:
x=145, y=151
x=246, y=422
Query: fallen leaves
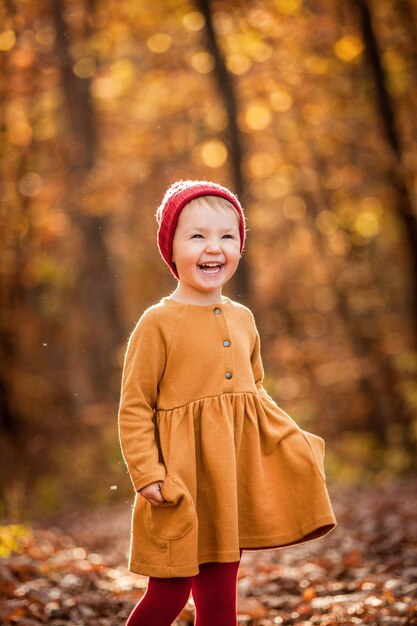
x=365, y=572
x=56, y=582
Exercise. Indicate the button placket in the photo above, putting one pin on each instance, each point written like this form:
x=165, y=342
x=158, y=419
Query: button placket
x=226, y=345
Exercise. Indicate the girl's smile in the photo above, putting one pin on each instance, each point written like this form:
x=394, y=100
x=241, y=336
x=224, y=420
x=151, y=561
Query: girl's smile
x=206, y=252
x=211, y=268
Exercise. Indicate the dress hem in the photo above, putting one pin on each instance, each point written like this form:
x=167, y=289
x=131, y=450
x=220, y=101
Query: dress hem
x=320, y=527
x=315, y=530
x=163, y=571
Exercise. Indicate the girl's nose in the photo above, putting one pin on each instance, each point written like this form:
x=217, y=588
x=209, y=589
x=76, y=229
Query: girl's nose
x=213, y=246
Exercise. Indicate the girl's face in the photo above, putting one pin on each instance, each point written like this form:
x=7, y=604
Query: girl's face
x=206, y=252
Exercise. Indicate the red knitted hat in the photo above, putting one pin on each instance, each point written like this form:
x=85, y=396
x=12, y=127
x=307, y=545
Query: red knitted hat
x=175, y=199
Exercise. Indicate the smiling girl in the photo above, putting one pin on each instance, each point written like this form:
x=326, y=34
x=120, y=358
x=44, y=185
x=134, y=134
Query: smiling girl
x=217, y=466
x=205, y=249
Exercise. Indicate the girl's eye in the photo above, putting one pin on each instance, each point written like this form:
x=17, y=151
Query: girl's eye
x=228, y=237
x=197, y=236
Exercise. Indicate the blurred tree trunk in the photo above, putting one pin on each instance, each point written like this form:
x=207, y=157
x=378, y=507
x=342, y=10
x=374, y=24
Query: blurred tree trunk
x=9, y=420
x=11, y=293
x=99, y=328
x=227, y=92
x=7, y=349
x=398, y=173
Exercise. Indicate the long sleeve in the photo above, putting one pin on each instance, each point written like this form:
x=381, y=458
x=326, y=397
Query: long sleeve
x=143, y=368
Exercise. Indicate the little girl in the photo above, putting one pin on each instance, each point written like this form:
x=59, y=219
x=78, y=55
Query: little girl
x=217, y=466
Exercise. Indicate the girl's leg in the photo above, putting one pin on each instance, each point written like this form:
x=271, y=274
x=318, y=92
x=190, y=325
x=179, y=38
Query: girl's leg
x=162, y=603
x=214, y=593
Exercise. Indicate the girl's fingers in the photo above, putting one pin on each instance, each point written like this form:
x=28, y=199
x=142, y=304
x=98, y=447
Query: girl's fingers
x=152, y=493
x=158, y=498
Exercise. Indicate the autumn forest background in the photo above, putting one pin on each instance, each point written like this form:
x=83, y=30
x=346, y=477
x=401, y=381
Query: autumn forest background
x=306, y=109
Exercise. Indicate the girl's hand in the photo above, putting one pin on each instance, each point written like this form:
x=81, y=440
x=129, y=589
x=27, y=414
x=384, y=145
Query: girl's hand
x=152, y=493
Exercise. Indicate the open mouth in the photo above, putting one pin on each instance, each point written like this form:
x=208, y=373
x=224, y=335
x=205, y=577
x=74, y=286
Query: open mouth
x=211, y=268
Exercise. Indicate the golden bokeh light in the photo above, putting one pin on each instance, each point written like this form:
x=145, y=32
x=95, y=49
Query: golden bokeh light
x=20, y=133
x=214, y=153
x=101, y=43
x=116, y=82
x=348, y=48
x=30, y=184
x=84, y=67
x=23, y=57
x=260, y=51
x=258, y=115
x=238, y=63
x=159, y=42
x=194, y=20
x=45, y=36
x=367, y=224
x=7, y=40
x=398, y=76
x=288, y=6
x=203, y=62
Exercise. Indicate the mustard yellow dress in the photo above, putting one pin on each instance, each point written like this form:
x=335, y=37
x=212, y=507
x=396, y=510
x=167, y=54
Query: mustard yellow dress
x=237, y=471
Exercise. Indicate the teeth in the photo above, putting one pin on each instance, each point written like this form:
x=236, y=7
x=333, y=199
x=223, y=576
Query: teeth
x=211, y=267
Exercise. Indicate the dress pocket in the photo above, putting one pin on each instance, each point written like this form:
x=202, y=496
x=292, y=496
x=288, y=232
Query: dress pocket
x=177, y=516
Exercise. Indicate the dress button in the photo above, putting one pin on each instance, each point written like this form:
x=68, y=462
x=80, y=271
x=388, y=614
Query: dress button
x=217, y=310
x=226, y=343
x=228, y=375
x=163, y=547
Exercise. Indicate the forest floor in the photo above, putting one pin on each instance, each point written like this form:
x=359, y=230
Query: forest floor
x=364, y=572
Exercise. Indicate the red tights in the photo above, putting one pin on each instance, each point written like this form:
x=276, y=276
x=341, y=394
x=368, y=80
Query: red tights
x=214, y=593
